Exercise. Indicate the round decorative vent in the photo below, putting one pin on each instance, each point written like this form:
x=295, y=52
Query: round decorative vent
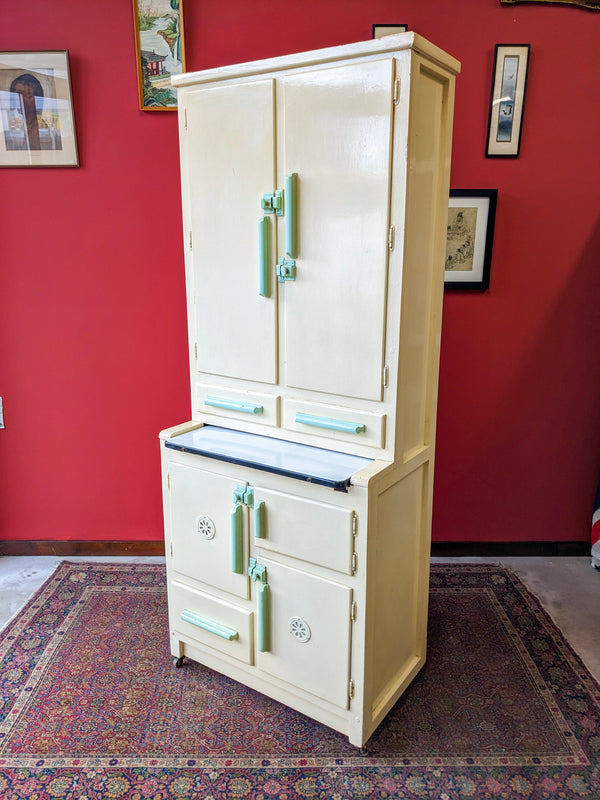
x=205, y=527
x=299, y=629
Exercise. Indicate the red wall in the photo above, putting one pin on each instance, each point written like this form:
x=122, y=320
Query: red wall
x=92, y=309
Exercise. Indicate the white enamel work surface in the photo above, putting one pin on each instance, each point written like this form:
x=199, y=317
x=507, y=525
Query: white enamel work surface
x=272, y=454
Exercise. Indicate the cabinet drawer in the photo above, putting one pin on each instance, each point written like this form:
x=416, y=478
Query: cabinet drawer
x=311, y=531
x=211, y=622
x=262, y=409
x=335, y=422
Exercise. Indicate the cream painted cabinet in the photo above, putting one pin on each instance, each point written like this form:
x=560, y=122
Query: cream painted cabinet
x=298, y=498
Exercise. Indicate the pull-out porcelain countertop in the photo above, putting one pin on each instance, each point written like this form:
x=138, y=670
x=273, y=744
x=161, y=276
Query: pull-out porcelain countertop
x=313, y=464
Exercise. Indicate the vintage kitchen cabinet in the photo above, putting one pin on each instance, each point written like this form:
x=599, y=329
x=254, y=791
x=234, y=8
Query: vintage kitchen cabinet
x=298, y=498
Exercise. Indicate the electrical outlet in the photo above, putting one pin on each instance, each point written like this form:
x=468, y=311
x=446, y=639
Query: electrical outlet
x=1, y=414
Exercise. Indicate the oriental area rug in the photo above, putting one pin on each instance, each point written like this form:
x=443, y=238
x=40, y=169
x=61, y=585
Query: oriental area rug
x=92, y=706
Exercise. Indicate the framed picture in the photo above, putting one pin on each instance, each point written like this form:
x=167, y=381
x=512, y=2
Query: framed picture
x=160, y=51
x=470, y=238
x=36, y=110
x=507, y=101
x=379, y=31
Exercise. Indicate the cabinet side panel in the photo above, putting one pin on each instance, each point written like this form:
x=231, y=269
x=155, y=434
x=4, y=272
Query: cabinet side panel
x=398, y=591
x=422, y=287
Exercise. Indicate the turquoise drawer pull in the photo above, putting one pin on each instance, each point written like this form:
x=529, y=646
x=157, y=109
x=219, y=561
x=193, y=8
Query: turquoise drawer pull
x=264, y=619
x=259, y=520
x=233, y=405
x=264, y=257
x=291, y=215
x=208, y=625
x=332, y=424
x=237, y=540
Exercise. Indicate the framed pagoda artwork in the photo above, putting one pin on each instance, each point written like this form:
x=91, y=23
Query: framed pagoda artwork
x=160, y=51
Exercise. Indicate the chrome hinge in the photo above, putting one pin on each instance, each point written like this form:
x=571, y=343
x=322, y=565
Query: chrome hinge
x=353, y=611
x=391, y=237
x=396, y=91
x=386, y=376
x=351, y=689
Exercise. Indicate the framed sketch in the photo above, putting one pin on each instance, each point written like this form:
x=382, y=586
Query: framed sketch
x=160, y=51
x=470, y=238
x=379, y=31
x=505, y=124
x=36, y=110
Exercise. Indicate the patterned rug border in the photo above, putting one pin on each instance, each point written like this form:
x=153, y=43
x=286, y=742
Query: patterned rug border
x=280, y=776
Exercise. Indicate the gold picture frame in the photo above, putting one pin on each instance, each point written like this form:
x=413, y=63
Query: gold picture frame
x=36, y=110
x=159, y=50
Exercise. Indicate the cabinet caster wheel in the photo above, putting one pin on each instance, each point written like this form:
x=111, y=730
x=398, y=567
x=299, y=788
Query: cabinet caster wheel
x=179, y=662
x=364, y=751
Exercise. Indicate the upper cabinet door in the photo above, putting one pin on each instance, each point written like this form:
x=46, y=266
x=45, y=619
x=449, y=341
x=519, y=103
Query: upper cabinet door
x=228, y=161
x=337, y=129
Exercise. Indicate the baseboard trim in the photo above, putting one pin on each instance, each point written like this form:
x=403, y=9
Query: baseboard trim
x=508, y=549
x=157, y=548
x=81, y=548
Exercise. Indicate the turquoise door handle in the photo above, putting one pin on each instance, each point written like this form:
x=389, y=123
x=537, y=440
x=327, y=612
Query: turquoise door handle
x=209, y=625
x=333, y=424
x=237, y=540
x=264, y=618
x=264, y=257
x=233, y=405
x=291, y=215
x=259, y=520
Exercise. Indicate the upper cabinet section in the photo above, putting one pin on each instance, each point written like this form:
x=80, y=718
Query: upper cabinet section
x=301, y=179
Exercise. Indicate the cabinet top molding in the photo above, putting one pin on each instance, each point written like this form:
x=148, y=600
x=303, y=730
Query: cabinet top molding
x=388, y=44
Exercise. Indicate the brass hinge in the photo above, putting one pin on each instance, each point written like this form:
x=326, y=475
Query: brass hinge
x=396, y=91
x=196, y=350
x=351, y=689
x=190, y=240
x=354, y=566
x=171, y=549
x=354, y=524
x=354, y=563
x=353, y=611
x=386, y=376
x=391, y=237
x=168, y=481
x=185, y=118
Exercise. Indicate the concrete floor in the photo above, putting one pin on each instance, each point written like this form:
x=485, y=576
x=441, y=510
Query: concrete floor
x=568, y=588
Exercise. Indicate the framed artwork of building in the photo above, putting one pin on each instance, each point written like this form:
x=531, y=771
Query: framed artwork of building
x=160, y=51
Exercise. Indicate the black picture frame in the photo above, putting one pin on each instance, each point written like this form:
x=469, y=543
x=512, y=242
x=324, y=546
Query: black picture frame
x=470, y=239
x=378, y=30
x=507, y=100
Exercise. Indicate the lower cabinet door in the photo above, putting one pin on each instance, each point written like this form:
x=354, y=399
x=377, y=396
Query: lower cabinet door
x=310, y=631
x=203, y=531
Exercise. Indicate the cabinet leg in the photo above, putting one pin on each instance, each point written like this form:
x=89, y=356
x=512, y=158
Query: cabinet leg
x=364, y=751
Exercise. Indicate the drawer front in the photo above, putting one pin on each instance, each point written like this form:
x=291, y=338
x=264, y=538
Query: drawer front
x=309, y=632
x=335, y=422
x=262, y=409
x=200, y=618
x=315, y=532
x=201, y=529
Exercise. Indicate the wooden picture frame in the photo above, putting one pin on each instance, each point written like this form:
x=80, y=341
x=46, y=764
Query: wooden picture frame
x=470, y=238
x=379, y=31
x=36, y=110
x=505, y=124
x=159, y=50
